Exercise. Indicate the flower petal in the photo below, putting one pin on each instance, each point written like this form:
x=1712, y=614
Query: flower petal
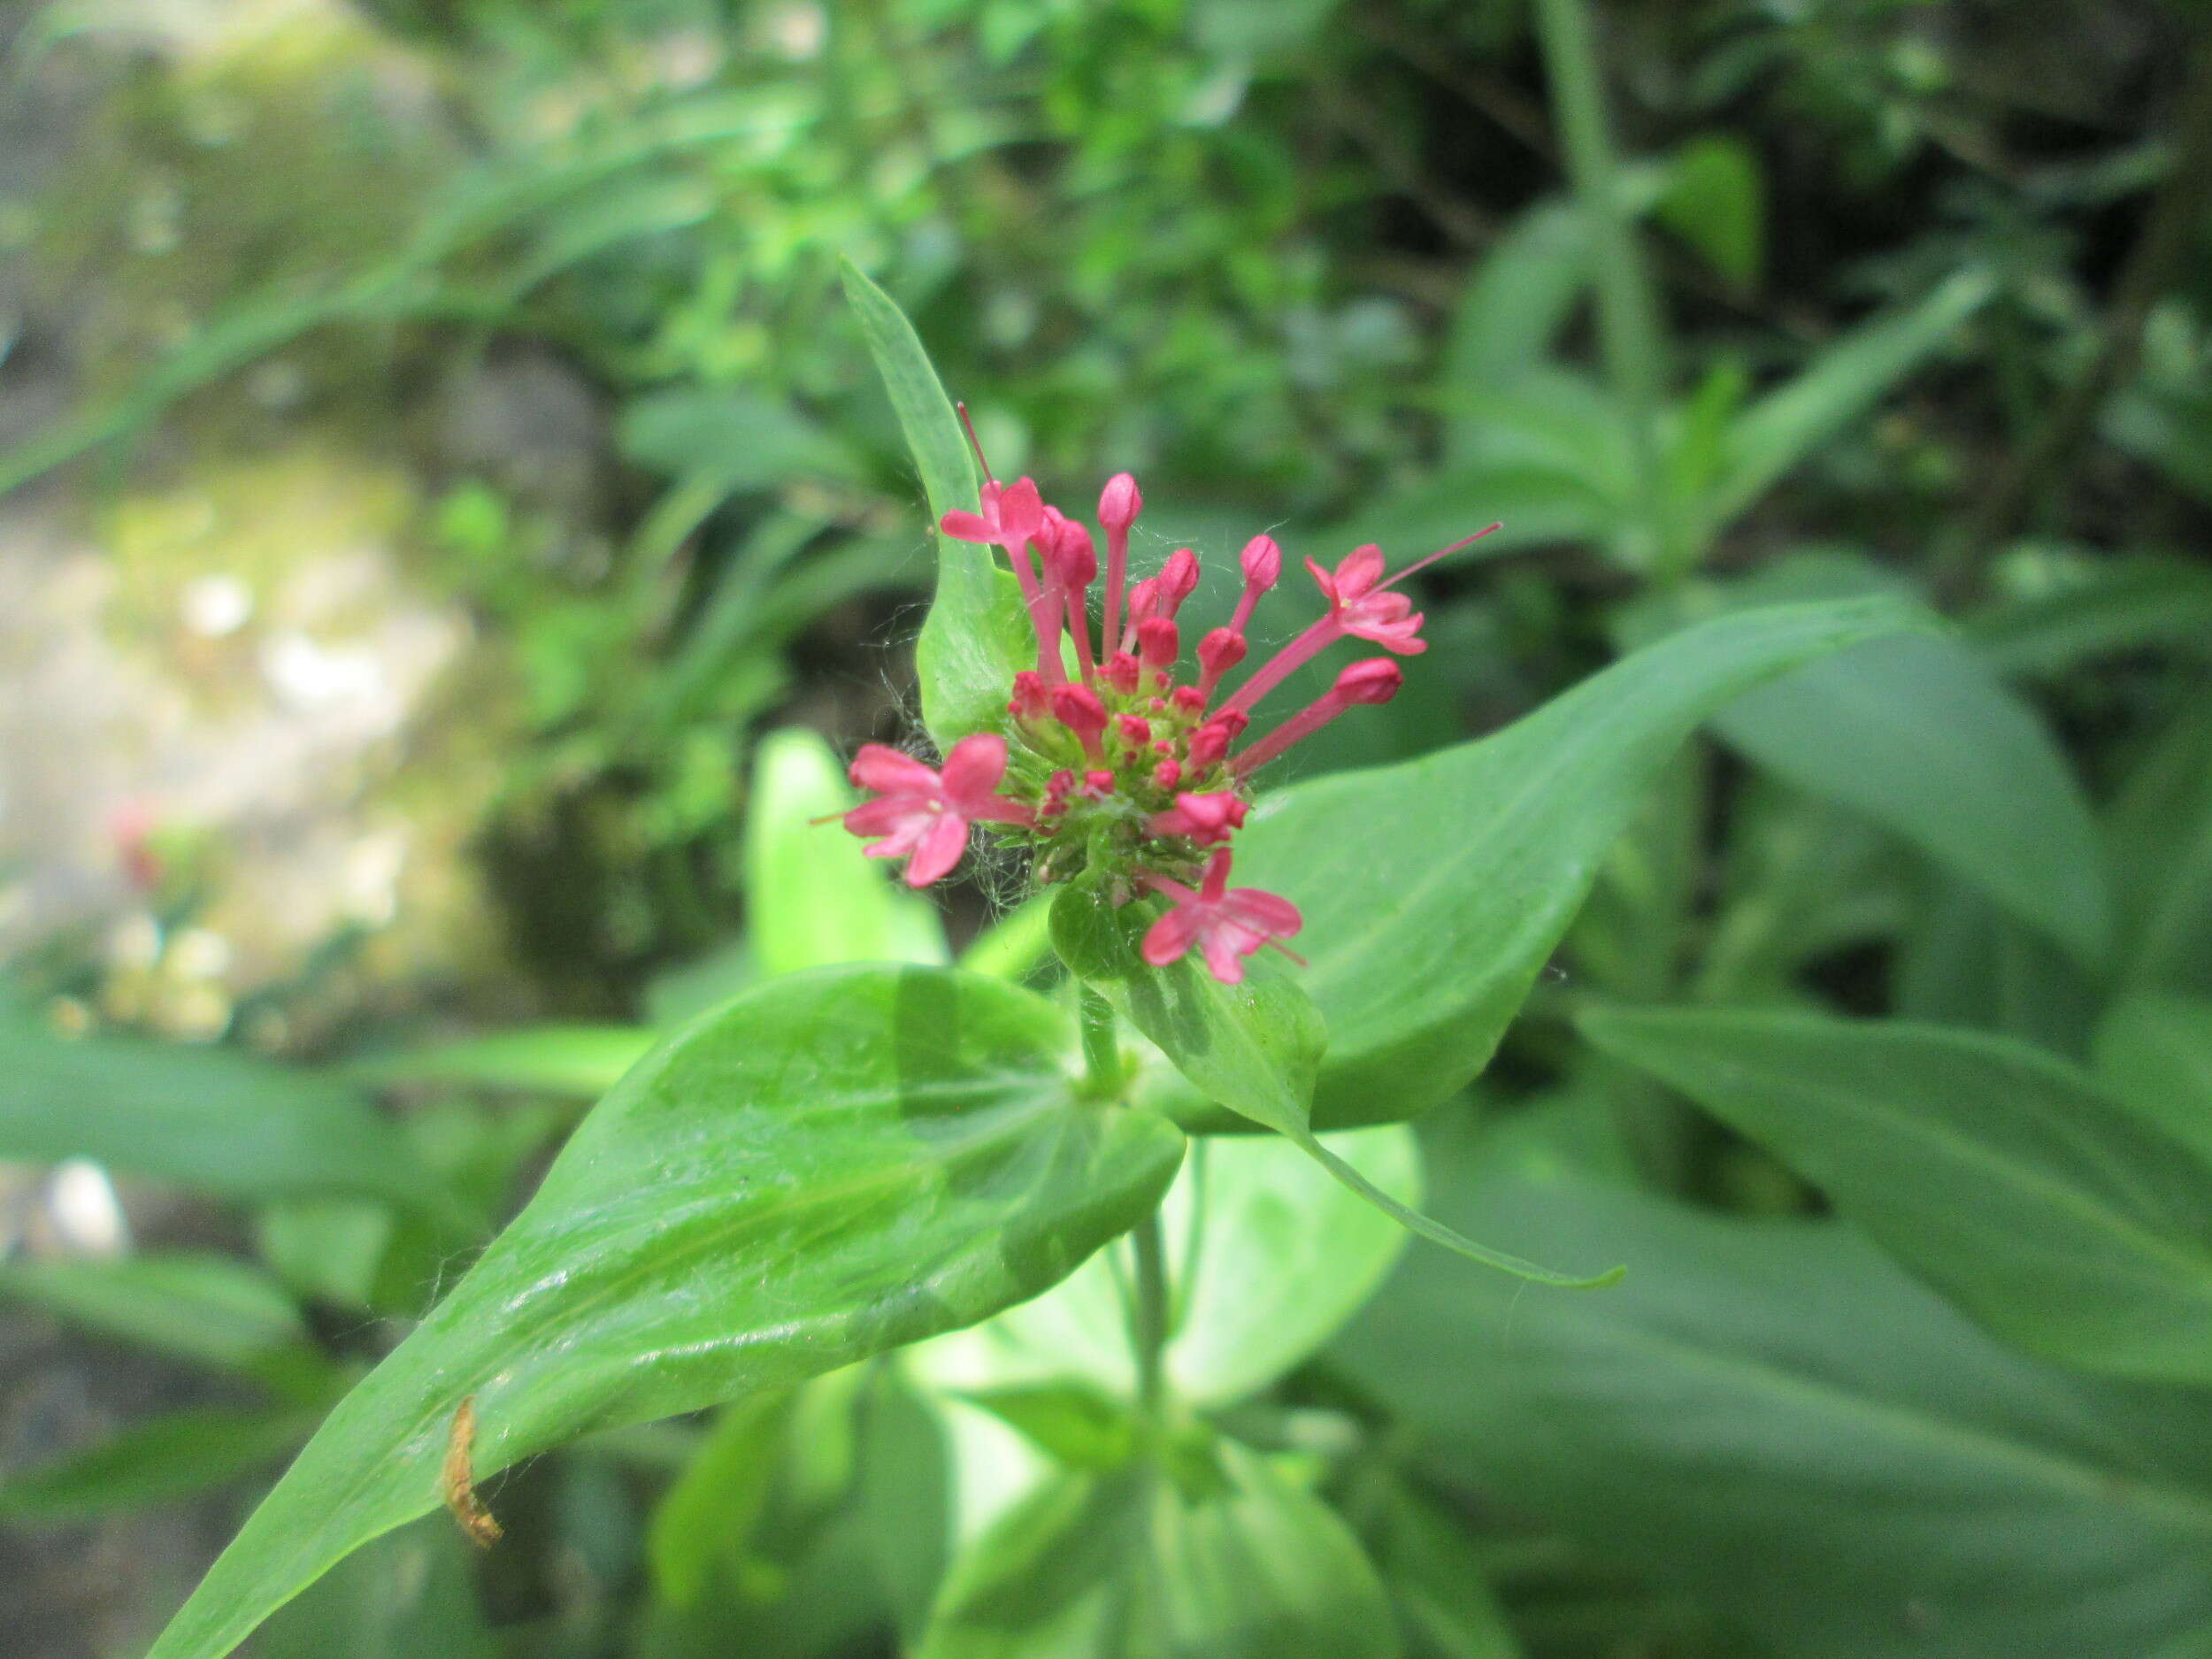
x=888, y=772
x=972, y=770
x=968, y=527
x=1266, y=913
x=1167, y=938
x=942, y=845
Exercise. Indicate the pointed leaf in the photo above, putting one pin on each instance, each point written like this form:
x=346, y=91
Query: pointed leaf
x=1770, y=1417
x=2013, y=1183
x=1434, y=891
x=832, y=1165
x=977, y=634
x=1132, y=1566
x=1251, y=1048
x=1847, y=379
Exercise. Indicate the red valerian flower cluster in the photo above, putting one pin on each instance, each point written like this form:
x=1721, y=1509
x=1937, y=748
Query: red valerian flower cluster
x=1114, y=763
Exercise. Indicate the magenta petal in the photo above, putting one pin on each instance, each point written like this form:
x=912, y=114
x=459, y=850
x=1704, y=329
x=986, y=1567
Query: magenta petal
x=1267, y=913
x=942, y=845
x=1167, y=938
x=1361, y=569
x=1223, y=959
x=888, y=772
x=972, y=770
x=967, y=527
x=889, y=815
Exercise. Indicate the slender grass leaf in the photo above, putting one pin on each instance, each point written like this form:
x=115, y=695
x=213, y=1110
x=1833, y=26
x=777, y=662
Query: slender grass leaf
x=218, y=1119
x=832, y=1165
x=1772, y=1418
x=2013, y=1183
x=582, y=1062
x=2158, y=837
x=167, y=1458
x=2119, y=605
x=977, y=635
x=1844, y=382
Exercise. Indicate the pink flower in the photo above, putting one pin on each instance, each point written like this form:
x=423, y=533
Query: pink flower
x=1204, y=818
x=1226, y=924
x=1361, y=609
x=922, y=815
x=1011, y=514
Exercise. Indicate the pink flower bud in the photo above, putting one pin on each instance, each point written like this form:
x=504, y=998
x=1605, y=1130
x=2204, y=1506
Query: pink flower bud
x=1099, y=782
x=1204, y=818
x=1187, y=700
x=1374, y=679
x=1123, y=672
x=1158, y=642
x=1167, y=774
x=1058, y=787
x=1120, y=502
x=1134, y=731
x=1078, y=708
x=1176, y=578
x=1211, y=740
x=1221, y=650
x=1262, y=562
x=1030, y=702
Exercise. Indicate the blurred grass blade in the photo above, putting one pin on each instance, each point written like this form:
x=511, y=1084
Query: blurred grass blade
x=216, y=1119
x=580, y=1062
x=2155, y=1052
x=161, y=1461
x=1844, y=381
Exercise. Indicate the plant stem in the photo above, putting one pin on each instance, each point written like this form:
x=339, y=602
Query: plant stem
x=1628, y=315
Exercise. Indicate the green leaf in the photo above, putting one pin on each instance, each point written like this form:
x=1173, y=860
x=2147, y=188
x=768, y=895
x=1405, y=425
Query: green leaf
x=1511, y=314
x=1440, y=1584
x=1014, y=945
x=1267, y=1255
x=180, y=1455
x=705, y=1521
x=1134, y=1566
x=2159, y=837
x=977, y=635
x=2014, y=1184
x=218, y=1119
x=1921, y=737
x=832, y=1166
x=1715, y=201
x=1252, y=1048
x=1772, y=1417
x=2115, y=605
x=814, y=898
x=208, y=1309
x=1964, y=962
x=1434, y=891
x=1846, y=380
x=581, y=1062
x=406, y=1596
x=2155, y=1052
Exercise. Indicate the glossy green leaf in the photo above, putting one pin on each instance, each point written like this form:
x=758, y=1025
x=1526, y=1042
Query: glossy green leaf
x=1267, y=1255
x=2012, y=1182
x=215, y=1118
x=1919, y=736
x=180, y=1455
x=1847, y=379
x=1434, y=891
x=1772, y=1418
x=2158, y=833
x=1134, y=1566
x=977, y=634
x=2155, y=1052
x=813, y=898
x=1251, y=1047
x=830, y=1166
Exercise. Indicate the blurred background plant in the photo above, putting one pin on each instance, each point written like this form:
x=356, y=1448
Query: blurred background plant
x=443, y=490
